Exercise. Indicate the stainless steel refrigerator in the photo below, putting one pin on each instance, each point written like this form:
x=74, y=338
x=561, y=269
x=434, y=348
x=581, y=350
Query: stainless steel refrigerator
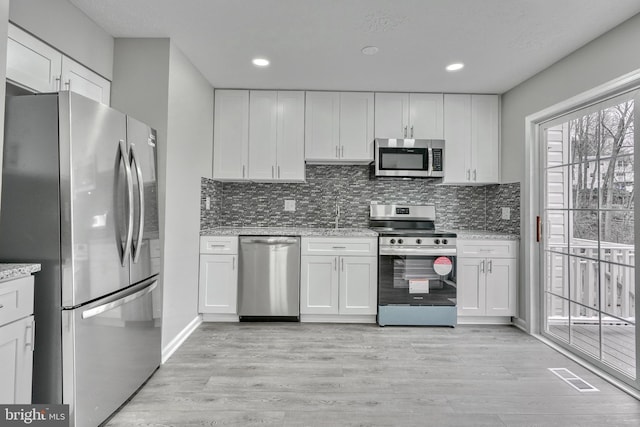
x=79, y=196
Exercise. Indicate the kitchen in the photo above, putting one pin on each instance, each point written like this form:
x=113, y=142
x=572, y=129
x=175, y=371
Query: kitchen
x=179, y=103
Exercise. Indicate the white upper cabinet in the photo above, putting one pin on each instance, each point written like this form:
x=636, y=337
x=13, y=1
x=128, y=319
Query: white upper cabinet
x=36, y=66
x=81, y=80
x=32, y=63
x=322, y=126
x=339, y=127
x=404, y=115
x=276, y=135
x=472, y=135
x=231, y=134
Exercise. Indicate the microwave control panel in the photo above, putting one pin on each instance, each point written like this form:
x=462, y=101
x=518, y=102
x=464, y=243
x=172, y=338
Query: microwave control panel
x=437, y=160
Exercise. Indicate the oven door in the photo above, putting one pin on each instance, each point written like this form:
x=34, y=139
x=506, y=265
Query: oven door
x=414, y=280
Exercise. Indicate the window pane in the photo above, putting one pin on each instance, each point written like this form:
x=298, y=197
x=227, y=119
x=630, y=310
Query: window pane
x=556, y=224
x=558, y=317
x=557, y=274
x=617, y=286
x=584, y=226
x=583, y=284
x=617, y=129
x=616, y=183
x=585, y=330
x=619, y=345
x=557, y=149
x=557, y=189
x=584, y=185
x=583, y=133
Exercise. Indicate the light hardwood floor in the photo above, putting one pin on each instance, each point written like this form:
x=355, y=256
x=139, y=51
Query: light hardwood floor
x=293, y=374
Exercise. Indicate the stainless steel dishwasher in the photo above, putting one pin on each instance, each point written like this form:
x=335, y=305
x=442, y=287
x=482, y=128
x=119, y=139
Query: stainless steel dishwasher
x=269, y=278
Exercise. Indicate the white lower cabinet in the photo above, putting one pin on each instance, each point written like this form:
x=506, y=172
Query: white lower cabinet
x=338, y=277
x=218, y=288
x=487, y=280
x=17, y=333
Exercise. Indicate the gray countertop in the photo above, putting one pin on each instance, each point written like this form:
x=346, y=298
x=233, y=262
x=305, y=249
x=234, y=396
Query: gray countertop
x=484, y=235
x=289, y=231
x=15, y=271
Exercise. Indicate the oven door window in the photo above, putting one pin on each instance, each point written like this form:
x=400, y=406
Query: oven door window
x=403, y=159
x=412, y=280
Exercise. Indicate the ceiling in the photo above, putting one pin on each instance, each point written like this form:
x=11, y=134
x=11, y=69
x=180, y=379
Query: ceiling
x=316, y=44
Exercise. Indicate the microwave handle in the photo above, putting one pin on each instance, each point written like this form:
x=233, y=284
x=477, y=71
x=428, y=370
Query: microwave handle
x=430, y=155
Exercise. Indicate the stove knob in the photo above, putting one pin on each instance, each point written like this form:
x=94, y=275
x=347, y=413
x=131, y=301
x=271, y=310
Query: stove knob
x=418, y=241
x=399, y=241
x=437, y=241
x=392, y=241
x=445, y=241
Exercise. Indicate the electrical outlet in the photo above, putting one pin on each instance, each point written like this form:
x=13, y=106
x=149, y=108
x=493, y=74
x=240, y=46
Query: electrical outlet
x=207, y=203
x=506, y=213
x=290, y=205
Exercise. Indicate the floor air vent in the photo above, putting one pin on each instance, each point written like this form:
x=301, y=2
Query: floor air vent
x=573, y=380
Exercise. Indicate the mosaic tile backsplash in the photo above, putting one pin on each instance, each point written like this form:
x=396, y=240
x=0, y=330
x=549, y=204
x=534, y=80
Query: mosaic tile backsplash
x=244, y=204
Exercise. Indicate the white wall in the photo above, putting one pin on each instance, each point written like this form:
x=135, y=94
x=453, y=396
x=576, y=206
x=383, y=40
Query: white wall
x=4, y=25
x=613, y=54
x=68, y=29
x=177, y=101
x=610, y=56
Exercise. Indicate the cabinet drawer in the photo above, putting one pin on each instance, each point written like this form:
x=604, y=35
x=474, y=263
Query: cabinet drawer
x=16, y=299
x=339, y=246
x=219, y=245
x=488, y=248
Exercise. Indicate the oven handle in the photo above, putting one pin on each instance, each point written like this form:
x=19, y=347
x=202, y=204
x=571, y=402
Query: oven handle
x=418, y=251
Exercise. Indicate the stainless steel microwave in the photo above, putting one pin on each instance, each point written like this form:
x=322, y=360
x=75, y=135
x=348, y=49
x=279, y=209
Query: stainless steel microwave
x=416, y=158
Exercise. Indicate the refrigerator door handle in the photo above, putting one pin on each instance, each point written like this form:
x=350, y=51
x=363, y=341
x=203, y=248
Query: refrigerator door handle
x=135, y=248
x=96, y=311
x=126, y=250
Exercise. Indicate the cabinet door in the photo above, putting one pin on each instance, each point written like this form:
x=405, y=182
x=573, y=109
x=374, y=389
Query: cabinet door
x=391, y=115
x=485, y=139
x=16, y=361
x=471, y=286
x=322, y=126
x=290, y=136
x=356, y=126
x=358, y=285
x=457, y=134
x=32, y=63
x=319, y=285
x=263, y=121
x=501, y=287
x=231, y=134
x=426, y=116
x=79, y=79
x=218, y=291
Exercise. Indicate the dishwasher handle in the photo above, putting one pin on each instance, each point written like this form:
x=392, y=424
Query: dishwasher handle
x=269, y=240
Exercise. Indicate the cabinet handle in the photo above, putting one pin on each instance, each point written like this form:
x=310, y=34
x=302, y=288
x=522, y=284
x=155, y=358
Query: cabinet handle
x=405, y=131
x=30, y=336
x=468, y=174
x=339, y=247
x=272, y=172
x=482, y=266
x=57, y=83
x=335, y=264
x=233, y=263
x=411, y=131
x=1, y=306
x=342, y=263
x=490, y=266
x=342, y=151
x=278, y=171
x=243, y=171
x=475, y=175
x=68, y=84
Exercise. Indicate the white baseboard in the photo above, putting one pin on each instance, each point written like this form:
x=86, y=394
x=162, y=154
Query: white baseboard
x=521, y=324
x=176, y=342
x=484, y=320
x=337, y=318
x=213, y=317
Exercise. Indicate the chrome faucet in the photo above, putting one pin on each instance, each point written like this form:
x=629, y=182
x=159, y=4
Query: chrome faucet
x=337, y=212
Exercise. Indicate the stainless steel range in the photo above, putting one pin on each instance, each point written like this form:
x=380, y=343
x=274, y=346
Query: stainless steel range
x=416, y=267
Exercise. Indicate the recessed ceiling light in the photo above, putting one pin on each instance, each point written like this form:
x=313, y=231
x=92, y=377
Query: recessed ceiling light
x=260, y=62
x=455, y=66
x=370, y=50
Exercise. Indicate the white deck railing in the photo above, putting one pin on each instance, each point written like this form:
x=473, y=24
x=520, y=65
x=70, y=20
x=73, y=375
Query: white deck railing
x=617, y=280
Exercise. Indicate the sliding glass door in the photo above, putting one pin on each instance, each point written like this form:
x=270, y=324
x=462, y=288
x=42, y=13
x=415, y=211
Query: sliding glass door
x=588, y=239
